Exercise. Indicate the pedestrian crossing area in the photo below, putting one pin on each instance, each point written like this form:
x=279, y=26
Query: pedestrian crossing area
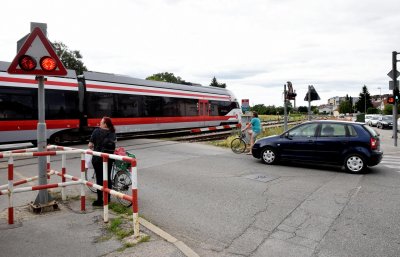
x=391, y=161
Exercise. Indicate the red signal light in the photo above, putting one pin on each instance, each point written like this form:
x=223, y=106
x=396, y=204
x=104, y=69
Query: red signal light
x=390, y=100
x=47, y=63
x=27, y=63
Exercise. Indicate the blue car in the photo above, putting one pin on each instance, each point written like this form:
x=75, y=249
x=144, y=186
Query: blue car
x=350, y=144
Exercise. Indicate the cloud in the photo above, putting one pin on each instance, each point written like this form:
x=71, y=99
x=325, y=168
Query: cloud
x=254, y=46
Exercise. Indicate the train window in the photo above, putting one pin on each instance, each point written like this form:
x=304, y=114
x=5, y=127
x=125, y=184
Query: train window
x=152, y=106
x=173, y=107
x=128, y=106
x=190, y=107
x=100, y=104
x=61, y=104
x=18, y=103
x=221, y=108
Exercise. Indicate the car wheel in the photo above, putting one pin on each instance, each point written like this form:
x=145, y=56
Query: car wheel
x=354, y=163
x=268, y=156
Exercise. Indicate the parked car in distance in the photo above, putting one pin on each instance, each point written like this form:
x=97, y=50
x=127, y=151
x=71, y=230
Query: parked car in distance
x=367, y=117
x=373, y=121
x=398, y=124
x=353, y=145
x=385, y=121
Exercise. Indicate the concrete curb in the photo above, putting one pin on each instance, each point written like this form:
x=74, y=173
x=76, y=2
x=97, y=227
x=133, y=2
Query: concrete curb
x=186, y=250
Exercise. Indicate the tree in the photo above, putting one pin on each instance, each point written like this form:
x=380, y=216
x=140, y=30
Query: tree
x=346, y=106
x=214, y=83
x=259, y=108
x=70, y=58
x=168, y=77
x=302, y=109
x=364, y=100
x=388, y=110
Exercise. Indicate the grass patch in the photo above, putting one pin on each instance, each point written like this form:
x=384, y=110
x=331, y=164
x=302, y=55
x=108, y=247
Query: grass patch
x=114, y=225
x=124, y=233
x=120, y=209
x=144, y=239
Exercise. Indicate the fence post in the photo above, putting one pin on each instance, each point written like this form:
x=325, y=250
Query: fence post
x=135, y=209
x=83, y=170
x=63, y=171
x=105, y=185
x=48, y=167
x=10, y=190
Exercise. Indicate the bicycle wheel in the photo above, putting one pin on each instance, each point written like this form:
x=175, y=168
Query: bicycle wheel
x=123, y=183
x=90, y=175
x=238, y=145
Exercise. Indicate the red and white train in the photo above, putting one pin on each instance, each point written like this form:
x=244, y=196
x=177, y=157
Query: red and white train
x=74, y=106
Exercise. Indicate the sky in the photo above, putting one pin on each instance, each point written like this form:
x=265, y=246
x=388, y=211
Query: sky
x=253, y=46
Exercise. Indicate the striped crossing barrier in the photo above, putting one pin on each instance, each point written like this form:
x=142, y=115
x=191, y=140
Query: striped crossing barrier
x=199, y=130
x=52, y=150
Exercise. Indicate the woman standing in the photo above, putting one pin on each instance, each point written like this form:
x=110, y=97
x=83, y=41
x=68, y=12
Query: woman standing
x=102, y=140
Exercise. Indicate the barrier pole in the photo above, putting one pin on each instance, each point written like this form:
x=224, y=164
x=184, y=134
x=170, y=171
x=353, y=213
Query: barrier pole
x=48, y=167
x=63, y=171
x=83, y=199
x=135, y=209
x=105, y=185
x=10, y=190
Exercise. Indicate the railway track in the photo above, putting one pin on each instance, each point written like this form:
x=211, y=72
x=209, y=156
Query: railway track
x=179, y=136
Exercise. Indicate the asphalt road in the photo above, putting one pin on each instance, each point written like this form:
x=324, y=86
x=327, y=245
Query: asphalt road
x=223, y=204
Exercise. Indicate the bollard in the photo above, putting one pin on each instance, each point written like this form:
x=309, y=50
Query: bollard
x=83, y=169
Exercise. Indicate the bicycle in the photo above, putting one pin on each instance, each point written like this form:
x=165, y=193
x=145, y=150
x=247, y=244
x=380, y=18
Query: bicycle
x=120, y=179
x=239, y=144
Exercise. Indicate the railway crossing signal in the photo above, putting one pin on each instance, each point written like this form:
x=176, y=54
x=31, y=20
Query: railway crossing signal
x=391, y=100
x=37, y=57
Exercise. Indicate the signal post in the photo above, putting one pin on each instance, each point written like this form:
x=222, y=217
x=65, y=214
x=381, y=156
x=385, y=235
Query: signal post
x=393, y=74
x=37, y=57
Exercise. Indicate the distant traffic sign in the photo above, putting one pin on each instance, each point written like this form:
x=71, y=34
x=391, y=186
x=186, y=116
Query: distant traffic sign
x=391, y=84
x=37, y=50
x=312, y=93
x=391, y=74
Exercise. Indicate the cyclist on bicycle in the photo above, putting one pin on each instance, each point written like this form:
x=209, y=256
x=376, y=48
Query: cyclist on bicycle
x=253, y=129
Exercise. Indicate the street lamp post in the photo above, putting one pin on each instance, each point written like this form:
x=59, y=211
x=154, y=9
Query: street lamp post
x=380, y=98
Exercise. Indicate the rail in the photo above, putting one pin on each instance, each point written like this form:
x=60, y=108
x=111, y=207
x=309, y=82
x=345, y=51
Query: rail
x=8, y=189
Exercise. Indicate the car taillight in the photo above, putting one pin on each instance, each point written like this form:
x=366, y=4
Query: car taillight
x=374, y=143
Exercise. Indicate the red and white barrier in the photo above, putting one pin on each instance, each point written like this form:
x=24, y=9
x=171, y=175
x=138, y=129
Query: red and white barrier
x=63, y=151
x=199, y=130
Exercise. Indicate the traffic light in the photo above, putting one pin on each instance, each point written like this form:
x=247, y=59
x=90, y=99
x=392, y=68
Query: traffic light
x=291, y=96
x=391, y=100
x=396, y=93
x=37, y=57
x=28, y=63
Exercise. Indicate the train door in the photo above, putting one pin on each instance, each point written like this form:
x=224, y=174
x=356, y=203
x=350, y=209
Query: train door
x=203, y=111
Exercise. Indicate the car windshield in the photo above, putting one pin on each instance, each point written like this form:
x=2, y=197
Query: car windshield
x=387, y=118
x=375, y=118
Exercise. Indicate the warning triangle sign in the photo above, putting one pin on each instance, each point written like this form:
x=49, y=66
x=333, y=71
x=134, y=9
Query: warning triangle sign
x=35, y=48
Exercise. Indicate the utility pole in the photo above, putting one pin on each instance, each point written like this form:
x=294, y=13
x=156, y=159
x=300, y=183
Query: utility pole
x=395, y=95
x=365, y=100
x=309, y=102
x=285, y=126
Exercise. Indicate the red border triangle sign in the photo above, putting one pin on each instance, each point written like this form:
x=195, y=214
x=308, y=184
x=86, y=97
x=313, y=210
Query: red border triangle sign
x=37, y=46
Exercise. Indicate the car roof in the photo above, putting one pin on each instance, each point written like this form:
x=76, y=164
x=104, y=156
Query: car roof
x=335, y=121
